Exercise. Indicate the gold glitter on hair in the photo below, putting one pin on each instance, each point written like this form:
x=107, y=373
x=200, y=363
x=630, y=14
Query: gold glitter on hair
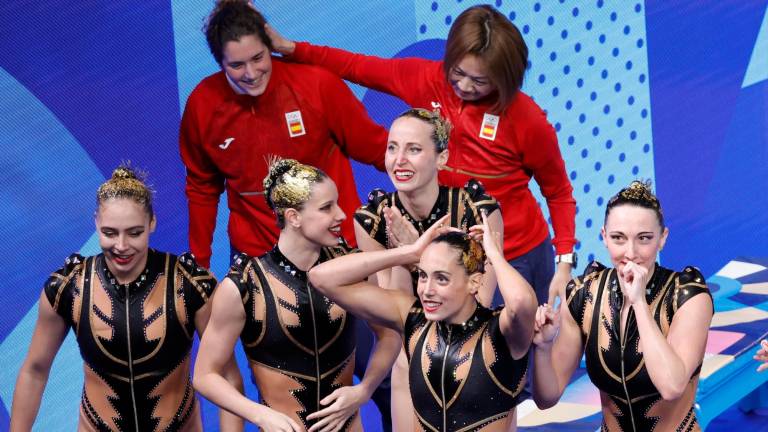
x=637, y=191
x=126, y=183
x=289, y=183
x=473, y=257
x=441, y=126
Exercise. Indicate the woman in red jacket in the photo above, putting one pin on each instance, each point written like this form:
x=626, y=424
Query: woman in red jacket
x=257, y=106
x=500, y=136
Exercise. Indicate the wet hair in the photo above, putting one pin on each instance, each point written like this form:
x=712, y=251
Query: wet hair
x=486, y=33
x=229, y=21
x=288, y=184
x=470, y=252
x=639, y=194
x=126, y=183
x=441, y=127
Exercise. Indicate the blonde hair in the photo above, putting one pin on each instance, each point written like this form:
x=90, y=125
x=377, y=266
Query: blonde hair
x=288, y=184
x=126, y=183
x=441, y=127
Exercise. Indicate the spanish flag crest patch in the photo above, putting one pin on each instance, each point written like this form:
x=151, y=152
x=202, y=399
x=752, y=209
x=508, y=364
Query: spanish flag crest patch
x=489, y=127
x=295, y=124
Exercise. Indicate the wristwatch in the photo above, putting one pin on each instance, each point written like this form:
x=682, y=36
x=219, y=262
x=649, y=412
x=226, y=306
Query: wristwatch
x=570, y=258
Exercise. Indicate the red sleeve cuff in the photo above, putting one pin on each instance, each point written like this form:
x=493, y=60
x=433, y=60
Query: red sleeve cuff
x=202, y=223
x=563, y=246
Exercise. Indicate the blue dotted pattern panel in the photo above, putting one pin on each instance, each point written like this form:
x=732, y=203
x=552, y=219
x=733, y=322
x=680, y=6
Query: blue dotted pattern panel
x=588, y=69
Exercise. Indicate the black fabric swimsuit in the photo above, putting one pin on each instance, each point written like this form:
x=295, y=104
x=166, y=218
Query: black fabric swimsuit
x=615, y=363
x=300, y=344
x=135, y=338
x=465, y=205
x=462, y=376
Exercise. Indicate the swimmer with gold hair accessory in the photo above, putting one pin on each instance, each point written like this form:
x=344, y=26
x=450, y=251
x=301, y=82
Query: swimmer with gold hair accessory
x=134, y=312
x=641, y=327
x=467, y=363
x=300, y=344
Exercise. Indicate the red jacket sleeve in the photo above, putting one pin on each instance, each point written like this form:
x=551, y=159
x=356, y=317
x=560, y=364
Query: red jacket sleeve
x=204, y=183
x=402, y=78
x=541, y=155
x=357, y=135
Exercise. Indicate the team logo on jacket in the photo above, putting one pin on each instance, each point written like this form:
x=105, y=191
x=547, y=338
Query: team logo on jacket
x=489, y=127
x=295, y=124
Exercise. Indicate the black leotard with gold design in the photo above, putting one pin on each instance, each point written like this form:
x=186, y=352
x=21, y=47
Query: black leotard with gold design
x=135, y=340
x=462, y=376
x=464, y=204
x=301, y=345
x=614, y=362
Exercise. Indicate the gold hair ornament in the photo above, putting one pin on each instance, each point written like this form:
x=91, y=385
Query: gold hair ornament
x=441, y=125
x=125, y=183
x=638, y=191
x=289, y=183
x=474, y=257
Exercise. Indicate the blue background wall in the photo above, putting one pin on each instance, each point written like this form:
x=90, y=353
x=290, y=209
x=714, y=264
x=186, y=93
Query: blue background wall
x=676, y=92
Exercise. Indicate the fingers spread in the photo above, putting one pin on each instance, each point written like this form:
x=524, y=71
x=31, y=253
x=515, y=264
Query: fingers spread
x=330, y=398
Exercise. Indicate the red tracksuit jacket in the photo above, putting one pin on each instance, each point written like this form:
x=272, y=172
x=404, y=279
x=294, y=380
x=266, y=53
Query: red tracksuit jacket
x=225, y=139
x=504, y=158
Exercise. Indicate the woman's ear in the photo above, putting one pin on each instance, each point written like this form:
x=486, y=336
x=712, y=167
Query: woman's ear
x=153, y=224
x=442, y=158
x=292, y=217
x=663, y=240
x=475, y=282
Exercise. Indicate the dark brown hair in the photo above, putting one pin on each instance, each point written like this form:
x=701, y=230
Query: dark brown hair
x=229, y=21
x=484, y=32
x=638, y=194
x=470, y=253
